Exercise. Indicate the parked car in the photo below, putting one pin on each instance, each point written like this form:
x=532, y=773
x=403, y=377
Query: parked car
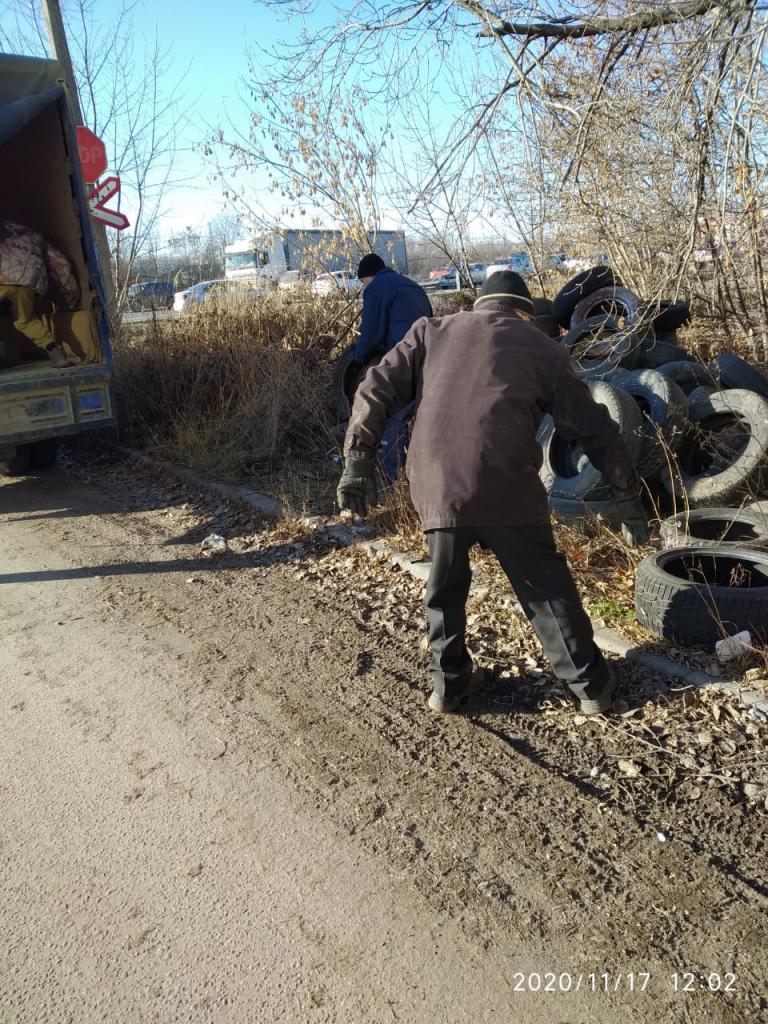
x=557, y=259
x=229, y=291
x=339, y=281
x=449, y=281
x=194, y=295
x=438, y=272
x=477, y=272
x=293, y=279
x=519, y=262
x=150, y=295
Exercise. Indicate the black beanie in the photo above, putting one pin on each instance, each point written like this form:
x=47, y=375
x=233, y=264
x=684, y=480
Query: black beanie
x=505, y=286
x=370, y=265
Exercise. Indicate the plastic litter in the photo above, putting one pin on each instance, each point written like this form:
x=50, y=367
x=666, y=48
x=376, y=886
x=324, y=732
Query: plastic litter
x=213, y=545
x=733, y=646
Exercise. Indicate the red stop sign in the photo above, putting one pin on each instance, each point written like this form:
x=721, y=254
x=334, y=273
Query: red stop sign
x=92, y=152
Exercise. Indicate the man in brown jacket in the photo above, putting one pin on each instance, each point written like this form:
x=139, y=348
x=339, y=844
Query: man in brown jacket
x=481, y=382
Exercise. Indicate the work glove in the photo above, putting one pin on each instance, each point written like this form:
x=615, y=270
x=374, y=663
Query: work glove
x=357, y=489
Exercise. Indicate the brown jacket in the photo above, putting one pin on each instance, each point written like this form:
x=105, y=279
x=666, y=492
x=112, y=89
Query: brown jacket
x=481, y=382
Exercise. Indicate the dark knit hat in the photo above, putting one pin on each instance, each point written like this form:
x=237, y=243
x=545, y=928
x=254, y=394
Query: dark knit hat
x=505, y=286
x=370, y=265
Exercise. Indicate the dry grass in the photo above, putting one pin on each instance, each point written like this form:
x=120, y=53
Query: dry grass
x=239, y=390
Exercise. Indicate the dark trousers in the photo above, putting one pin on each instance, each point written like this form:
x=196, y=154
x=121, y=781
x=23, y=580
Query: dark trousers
x=544, y=586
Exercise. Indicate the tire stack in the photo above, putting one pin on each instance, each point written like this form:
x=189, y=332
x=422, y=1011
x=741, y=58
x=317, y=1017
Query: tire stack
x=701, y=437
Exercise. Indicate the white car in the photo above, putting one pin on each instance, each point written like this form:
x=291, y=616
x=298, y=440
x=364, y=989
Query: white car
x=339, y=281
x=519, y=262
x=194, y=295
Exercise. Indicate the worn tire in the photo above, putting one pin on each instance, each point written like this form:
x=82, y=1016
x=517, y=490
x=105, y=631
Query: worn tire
x=614, y=511
x=689, y=595
x=718, y=460
x=347, y=374
x=618, y=351
x=703, y=527
x=672, y=315
x=19, y=464
x=657, y=353
x=664, y=409
x=612, y=301
x=731, y=371
x=698, y=393
x=566, y=472
x=583, y=284
x=688, y=375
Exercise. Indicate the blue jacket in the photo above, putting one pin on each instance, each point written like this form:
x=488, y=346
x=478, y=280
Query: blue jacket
x=392, y=303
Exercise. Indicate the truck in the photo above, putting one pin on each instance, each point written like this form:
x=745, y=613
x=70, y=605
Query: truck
x=270, y=255
x=42, y=187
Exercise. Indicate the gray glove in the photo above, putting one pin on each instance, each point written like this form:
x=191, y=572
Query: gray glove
x=357, y=489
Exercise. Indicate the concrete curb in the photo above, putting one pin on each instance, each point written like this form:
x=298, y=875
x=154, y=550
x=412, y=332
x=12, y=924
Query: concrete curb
x=261, y=502
x=606, y=639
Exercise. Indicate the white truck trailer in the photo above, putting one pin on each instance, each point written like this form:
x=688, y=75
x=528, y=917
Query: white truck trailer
x=272, y=254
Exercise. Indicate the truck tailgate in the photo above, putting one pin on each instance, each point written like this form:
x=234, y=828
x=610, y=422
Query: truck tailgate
x=37, y=401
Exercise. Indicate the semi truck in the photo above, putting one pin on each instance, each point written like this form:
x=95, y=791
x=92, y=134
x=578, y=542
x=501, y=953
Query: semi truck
x=270, y=255
x=41, y=187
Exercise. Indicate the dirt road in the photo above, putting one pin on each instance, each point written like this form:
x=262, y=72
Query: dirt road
x=223, y=800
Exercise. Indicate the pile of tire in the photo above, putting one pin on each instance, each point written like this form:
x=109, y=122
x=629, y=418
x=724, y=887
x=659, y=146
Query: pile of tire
x=698, y=434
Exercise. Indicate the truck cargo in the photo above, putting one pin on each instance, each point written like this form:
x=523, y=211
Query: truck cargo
x=42, y=187
x=270, y=255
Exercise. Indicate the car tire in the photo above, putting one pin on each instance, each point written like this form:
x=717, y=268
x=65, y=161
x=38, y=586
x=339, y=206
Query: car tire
x=687, y=375
x=43, y=453
x=347, y=375
x=687, y=595
x=701, y=392
x=731, y=371
x=703, y=527
x=616, y=512
x=600, y=330
x=566, y=472
x=657, y=352
x=672, y=315
x=612, y=301
x=578, y=287
x=664, y=410
x=18, y=464
x=720, y=471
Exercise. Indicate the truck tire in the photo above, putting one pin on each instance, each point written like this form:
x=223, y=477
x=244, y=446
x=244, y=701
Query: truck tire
x=697, y=596
x=43, y=453
x=703, y=527
x=702, y=392
x=724, y=451
x=731, y=371
x=611, y=301
x=566, y=472
x=578, y=287
x=18, y=464
x=688, y=375
x=664, y=409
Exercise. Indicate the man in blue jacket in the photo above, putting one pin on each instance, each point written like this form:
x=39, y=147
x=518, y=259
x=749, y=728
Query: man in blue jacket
x=392, y=303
